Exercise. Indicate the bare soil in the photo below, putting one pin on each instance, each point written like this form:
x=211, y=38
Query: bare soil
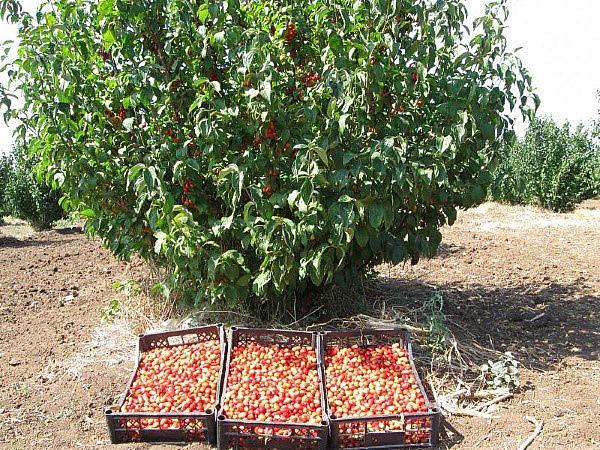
x=499, y=267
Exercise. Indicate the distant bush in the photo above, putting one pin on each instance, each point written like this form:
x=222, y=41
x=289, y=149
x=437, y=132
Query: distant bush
x=552, y=166
x=6, y=171
x=24, y=195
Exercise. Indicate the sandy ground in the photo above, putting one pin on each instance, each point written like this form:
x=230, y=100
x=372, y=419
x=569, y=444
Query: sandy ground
x=498, y=268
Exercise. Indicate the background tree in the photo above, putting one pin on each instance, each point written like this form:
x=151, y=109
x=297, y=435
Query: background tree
x=6, y=171
x=553, y=166
x=30, y=198
x=24, y=195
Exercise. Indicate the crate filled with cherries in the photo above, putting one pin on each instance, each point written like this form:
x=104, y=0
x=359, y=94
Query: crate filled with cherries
x=374, y=395
x=272, y=391
x=174, y=389
x=276, y=389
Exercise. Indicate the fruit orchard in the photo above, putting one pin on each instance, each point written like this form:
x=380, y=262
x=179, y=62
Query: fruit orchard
x=257, y=150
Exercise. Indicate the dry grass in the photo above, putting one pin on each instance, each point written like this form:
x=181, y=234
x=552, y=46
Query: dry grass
x=111, y=344
x=142, y=309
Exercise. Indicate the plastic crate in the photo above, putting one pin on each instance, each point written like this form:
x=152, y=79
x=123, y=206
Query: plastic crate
x=411, y=430
x=236, y=434
x=191, y=427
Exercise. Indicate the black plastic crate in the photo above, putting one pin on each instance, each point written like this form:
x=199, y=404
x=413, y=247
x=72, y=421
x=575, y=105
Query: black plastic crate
x=237, y=434
x=190, y=427
x=412, y=430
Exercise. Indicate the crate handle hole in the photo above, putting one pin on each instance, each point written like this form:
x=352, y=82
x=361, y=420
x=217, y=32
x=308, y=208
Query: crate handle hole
x=280, y=338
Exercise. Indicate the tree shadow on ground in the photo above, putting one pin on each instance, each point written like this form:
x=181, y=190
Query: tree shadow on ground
x=12, y=242
x=447, y=249
x=540, y=327
x=69, y=230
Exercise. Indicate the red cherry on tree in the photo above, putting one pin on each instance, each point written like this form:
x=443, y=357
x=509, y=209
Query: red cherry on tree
x=271, y=132
x=267, y=191
x=290, y=32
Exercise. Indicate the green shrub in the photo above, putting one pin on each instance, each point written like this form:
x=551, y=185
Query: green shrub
x=28, y=198
x=554, y=167
x=6, y=171
x=260, y=149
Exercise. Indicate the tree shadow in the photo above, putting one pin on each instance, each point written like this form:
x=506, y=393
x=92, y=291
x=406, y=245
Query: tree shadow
x=540, y=326
x=447, y=249
x=68, y=230
x=12, y=242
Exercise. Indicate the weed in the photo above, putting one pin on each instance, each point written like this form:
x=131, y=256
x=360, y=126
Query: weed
x=22, y=389
x=503, y=373
x=435, y=322
x=112, y=311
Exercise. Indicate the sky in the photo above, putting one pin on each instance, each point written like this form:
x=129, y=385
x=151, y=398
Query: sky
x=561, y=47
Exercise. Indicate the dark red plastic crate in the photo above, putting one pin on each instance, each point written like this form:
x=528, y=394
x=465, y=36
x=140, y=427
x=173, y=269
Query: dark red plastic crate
x=237, y=434
x=193, y=427
x=359, y=433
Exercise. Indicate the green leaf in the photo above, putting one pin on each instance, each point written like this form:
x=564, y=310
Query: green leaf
x=398, y=252
x=108, y=39
x=444, y=143
x=258, y=286
x=89, y=213
x=342, y=122
x=266, y=90
x=347, y=157
x=106, y=8
x=362, y=236
x=252, y=93
x=203, y=12
x=376, y=212
x=50, y=20
x=322, y=154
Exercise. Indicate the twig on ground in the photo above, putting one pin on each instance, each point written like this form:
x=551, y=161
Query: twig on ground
x=450, y=401
x=480, y=441
x=227, y=312
x=366, y=321
x=538, y=429
x=370, y=322
x=497, y=395
x=493, y=401
x=489, y=393
x=539, y=316
x=307, y=316
x=462, y=411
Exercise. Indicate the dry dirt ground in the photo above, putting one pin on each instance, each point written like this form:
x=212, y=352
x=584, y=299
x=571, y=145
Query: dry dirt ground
x=499, y=267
